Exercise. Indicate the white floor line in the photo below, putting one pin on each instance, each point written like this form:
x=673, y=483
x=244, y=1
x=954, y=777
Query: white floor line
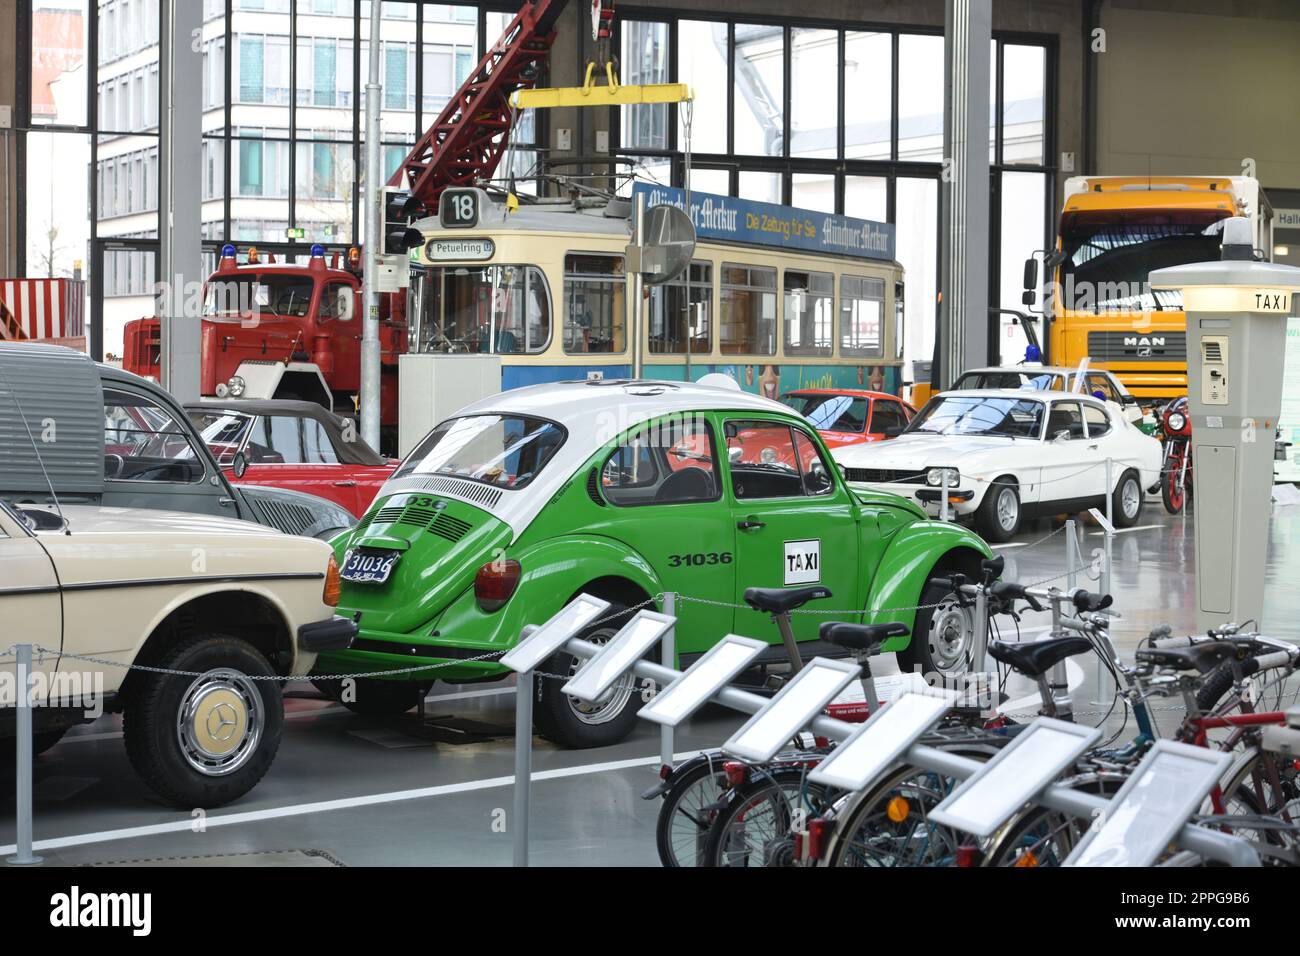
x=332, y=709
x=1140, y=527
x=345, y=803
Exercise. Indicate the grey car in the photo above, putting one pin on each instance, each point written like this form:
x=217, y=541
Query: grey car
x=94, y=434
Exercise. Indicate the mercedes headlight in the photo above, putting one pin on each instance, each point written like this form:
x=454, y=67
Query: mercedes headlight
x=236, y=386
x=935, y=477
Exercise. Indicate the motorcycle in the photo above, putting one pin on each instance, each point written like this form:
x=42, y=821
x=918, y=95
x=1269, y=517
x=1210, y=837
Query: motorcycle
x=1176, y=469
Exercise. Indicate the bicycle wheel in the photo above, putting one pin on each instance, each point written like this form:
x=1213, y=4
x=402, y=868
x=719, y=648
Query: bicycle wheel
x=756, y=827
x=890, y=824
x=1041, y=837
x=1265, y=784
x=685, y=816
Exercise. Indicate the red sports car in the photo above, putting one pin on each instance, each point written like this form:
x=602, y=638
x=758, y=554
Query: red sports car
x=850, y=416
x=292, y=444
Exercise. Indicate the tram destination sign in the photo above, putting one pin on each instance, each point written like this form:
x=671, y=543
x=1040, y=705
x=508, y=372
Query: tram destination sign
x=769, y=224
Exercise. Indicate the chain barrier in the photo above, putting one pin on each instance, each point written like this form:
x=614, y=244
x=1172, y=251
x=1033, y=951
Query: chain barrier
x=42, y=651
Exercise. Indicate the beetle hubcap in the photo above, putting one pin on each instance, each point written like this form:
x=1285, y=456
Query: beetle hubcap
x=1008, y=509
x=951, y=631
x=219, y=724
x=611, y=703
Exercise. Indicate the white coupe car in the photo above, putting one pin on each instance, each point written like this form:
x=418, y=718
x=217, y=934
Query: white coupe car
x=1009, y=455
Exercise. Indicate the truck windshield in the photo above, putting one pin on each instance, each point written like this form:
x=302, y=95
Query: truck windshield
x=508, y=451
x=267, y=294
x=1109, y=258
x=980, y=415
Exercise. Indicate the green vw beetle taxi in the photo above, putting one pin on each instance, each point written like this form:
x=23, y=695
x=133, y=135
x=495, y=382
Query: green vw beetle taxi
x=626, y=490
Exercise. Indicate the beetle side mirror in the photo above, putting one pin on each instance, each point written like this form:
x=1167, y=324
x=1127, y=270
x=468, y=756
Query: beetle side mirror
x=346, y=300
x=239, y=464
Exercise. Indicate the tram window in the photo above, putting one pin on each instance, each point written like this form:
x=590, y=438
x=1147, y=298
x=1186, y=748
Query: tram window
x=748, y=310
x=489, y=309
x=668, y=314
x=809, y=312
x=594, y=313
x=862, y=307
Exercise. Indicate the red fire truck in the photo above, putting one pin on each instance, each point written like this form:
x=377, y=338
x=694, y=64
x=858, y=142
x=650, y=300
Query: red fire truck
x=284, y=330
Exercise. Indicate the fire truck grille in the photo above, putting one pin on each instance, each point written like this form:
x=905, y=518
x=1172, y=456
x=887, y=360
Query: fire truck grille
x=1137, y=346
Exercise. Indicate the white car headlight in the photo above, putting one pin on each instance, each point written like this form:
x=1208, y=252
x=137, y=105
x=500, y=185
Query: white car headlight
x=935, y=477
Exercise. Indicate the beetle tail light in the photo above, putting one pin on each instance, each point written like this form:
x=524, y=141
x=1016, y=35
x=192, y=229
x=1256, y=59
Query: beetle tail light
x=333, y=584
x=736, y=773
x=495, y=584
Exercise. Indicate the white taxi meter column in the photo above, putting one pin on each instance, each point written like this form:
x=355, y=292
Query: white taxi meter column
x=1237, y=312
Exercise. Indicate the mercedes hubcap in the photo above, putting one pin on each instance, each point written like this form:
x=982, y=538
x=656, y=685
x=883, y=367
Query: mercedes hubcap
x=219, y=724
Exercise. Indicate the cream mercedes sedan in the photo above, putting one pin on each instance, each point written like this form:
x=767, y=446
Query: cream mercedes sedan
x=213, y=605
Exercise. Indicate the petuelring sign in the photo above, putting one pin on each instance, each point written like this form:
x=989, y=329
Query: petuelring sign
x=459, y=250
x=767, y=224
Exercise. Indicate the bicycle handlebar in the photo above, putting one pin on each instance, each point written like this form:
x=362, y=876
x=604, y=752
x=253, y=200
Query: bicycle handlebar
x=1263, y=662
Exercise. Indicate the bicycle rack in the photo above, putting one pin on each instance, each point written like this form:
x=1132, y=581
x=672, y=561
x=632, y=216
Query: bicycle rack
x=1211, y=844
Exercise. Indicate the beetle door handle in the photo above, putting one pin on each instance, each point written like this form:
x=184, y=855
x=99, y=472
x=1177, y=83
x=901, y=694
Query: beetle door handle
x=345, y=483
x=750, y=524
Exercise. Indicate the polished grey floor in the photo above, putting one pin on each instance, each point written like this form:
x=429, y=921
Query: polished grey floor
x=364, y=792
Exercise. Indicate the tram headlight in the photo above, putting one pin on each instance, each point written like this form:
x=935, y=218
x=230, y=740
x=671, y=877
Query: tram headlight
x=767, y=456
x=236, y=386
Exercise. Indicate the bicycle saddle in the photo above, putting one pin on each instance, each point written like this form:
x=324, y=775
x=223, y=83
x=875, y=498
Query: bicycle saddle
x=1035, y=658
x=781, y=600
x=860, y=637
x=1201, y=658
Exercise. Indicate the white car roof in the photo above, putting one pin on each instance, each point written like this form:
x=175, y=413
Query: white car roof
x=587, y=408
x=1021, y=394
x=593, y=413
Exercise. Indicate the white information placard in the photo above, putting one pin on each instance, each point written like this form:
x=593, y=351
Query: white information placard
x=1152, y=806
x=1037, y=756
x=874, y=746
x=702, y=680
x=791, y=710
x=618, y=655
x=551, y=636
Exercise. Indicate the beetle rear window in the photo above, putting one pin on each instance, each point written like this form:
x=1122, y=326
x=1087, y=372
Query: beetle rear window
x=507, y=451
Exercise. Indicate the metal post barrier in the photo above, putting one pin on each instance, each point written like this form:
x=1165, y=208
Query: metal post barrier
x=23, y=855
x=1104, y=584
x=943, y=496
x=980, y=651
x=668, y=658
x=523, y=757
